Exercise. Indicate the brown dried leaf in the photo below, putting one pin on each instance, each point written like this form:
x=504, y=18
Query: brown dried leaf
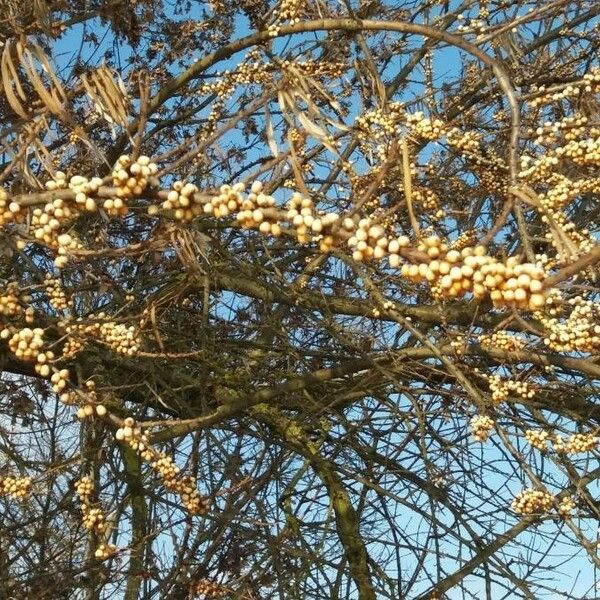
x=108, y=96
x=56, y=89
x=48, y=98
x=10, y=78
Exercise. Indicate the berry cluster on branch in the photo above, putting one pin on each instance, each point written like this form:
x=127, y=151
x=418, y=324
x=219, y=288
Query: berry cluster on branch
x=93, y=518
x=501, y=340
x=130, y=178
x=502, y=388
x=453, y=273
x=10, y=305
x=532, y=502
x=17, y=488
x=208, y=589
x=86, y=398
x=576, y=443
x=578, y=331
x=121, y=338
x=566, y=507
x=164, y=467
x=590, y=83
x=56, y=294
x=481, y=426
x=83, y=188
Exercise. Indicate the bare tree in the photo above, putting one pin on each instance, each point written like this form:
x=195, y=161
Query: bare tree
x=299, y=300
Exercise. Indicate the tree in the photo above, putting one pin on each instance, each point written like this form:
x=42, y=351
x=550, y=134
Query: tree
x=299, y=300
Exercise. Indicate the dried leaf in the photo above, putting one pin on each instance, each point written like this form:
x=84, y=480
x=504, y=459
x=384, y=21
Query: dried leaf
x=270, y=133
x=29, y=59
x=9, y=78
x=56, y=89
x=316, y=132
x=108, y=95
x=46, y=97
